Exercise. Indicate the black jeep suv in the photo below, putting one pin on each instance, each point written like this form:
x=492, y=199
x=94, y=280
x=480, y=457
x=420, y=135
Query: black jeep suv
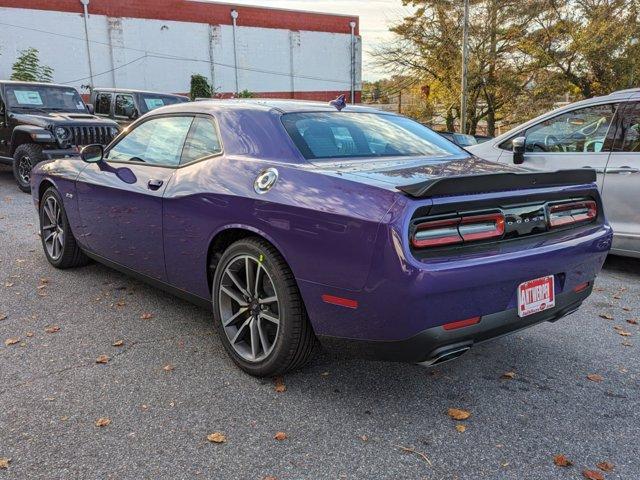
x=43, y=120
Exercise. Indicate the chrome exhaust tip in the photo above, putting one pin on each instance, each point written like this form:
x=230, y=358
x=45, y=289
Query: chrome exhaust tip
x=445, y=355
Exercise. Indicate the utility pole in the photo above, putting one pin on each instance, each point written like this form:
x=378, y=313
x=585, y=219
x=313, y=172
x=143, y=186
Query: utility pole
x=465, y=60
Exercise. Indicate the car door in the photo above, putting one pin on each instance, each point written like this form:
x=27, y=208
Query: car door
x=120, y=198
x=575, y=139
x=621, y=190
x=5, y=131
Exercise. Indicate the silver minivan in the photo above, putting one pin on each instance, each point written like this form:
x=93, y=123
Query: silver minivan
x=601, y=133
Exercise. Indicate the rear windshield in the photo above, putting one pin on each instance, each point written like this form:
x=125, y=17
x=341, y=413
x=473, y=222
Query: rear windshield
x=320, y=135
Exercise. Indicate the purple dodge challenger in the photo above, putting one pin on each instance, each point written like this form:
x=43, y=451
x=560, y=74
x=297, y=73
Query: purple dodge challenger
x=298, y=222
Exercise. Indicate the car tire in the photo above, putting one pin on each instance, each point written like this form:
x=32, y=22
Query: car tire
x=25, y=158
x=59, y=244
x=256, y=344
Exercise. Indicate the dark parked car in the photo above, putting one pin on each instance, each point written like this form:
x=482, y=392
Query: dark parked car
x=40, y=119
x=295, y=222
x=124, y=105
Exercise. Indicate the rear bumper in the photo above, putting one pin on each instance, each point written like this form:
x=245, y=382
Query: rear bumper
x=433, y=344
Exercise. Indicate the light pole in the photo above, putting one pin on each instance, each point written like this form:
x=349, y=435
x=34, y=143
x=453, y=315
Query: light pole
x=465, y=60
x=234, y=18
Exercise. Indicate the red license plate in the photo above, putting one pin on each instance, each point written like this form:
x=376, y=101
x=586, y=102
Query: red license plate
x=536, y=295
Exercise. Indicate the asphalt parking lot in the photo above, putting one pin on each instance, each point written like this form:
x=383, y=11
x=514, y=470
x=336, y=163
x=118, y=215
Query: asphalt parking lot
x=170, y=384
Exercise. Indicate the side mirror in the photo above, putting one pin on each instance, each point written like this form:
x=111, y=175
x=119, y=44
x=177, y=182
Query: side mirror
x=518, y=145
x=90, y=108
x=92, y=153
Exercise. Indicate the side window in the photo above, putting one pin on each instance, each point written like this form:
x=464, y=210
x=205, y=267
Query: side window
x=124, y=106
x=582, y=130
x=203, y=141
x=103, y=104
x=158, y=141
x=628, y=134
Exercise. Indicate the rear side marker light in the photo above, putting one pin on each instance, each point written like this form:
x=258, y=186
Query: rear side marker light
x=341, y=302
x=581, y=288
x=457, y=230
x=563, y=214
x=461, y=323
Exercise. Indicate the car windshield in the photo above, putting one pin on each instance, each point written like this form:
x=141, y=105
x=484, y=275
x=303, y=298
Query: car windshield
x=151, y=102
x=44, y=97
x=323, y=135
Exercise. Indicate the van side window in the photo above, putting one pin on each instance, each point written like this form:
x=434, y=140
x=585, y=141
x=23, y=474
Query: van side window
x=628, y=134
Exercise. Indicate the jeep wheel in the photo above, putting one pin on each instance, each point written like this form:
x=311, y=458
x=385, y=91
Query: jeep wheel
x=25, y=158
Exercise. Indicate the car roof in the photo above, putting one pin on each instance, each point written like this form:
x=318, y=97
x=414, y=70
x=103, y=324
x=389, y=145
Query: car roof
x=39, y=84
x=260, y=104
x=133, y=90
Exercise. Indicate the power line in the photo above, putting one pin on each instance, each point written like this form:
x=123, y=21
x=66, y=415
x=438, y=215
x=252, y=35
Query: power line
x=162, y=55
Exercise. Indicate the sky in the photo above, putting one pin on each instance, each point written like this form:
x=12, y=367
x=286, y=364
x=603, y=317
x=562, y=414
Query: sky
x=375, y=18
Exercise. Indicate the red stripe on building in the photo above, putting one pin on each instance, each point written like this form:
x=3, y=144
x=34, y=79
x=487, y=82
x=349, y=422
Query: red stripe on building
x=198, y=12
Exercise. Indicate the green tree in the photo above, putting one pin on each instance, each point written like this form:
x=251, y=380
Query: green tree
x=27, y=67
x=245, y=94
x=591, y=44
x=200, y=87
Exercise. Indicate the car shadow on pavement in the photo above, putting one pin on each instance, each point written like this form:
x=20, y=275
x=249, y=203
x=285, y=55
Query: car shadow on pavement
x=619, y=264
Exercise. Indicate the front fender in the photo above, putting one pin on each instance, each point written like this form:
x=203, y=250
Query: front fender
x=30, y=134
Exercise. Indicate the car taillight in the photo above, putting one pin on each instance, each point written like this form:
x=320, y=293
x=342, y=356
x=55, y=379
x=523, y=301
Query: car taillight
x=436, y=233
x=563, y=214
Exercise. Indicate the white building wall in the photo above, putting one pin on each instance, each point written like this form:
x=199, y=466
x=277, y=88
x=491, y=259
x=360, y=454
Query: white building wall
x=162, y=55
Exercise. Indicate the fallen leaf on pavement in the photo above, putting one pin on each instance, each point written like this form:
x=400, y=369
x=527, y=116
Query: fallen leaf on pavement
x=146, y=316
x=216, y=437
x=2, y=316
x=460, y=428
x=458, y=414
x=594, y=377
x=102, y=359
x=11, y=341
x=627, y=344
x=52, y=329
x=606, y=316
x=364, y=438
x=103, y=422
x=593, y=475
x=168, y=367
x=8, y=284
x=29, y=334
x=280, y=386
x=4, y=463
x=280, y=436
x=508, y=375
x=118, y=343
x=120, y=303
x=626, y=309
x=562, y=461
x=605, y=466
x=623, y=333
x=632, y=321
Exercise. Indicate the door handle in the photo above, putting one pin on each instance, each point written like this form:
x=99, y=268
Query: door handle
x=625, y=170
x=597, y=169
x=154, y=184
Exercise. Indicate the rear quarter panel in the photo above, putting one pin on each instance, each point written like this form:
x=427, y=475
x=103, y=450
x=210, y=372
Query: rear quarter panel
x=325, y=227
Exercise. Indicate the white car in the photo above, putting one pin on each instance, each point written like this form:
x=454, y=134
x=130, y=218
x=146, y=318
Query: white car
x=601, y=133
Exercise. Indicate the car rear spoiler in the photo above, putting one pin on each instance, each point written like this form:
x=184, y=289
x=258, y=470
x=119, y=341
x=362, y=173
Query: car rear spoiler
x=467, y=184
